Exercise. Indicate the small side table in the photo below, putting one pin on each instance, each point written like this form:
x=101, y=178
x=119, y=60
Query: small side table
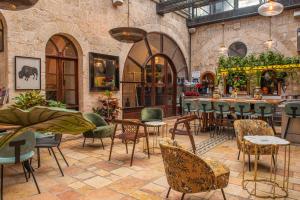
x=274, y=143
x=157, y=125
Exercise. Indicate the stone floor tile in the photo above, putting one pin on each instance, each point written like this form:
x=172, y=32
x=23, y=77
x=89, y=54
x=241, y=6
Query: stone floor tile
x=97, y=182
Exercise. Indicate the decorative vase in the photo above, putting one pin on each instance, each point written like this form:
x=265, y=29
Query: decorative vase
x=257, y=95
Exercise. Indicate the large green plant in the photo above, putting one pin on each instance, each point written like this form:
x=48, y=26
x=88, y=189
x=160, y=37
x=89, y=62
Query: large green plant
x=33, y=98
x=43, y=119
x=264, y=59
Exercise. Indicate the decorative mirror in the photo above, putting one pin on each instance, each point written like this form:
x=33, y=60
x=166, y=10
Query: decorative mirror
x=237, y=49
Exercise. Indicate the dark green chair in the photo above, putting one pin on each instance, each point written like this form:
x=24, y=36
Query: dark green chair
x=19, y=151
x=189, y=107
x=222, y=117
x=242, y=110
x=292, y=110
x=264, y=111
x=103, y=129
x=204, y=110
x=152, y=115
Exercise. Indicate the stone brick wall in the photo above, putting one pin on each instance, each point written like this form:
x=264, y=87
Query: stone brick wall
x=253, y=31
x=86, y=23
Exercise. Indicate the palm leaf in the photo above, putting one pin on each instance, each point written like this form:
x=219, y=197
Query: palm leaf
x=43, y=119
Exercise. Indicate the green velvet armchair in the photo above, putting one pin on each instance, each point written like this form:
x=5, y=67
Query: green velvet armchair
x=103, y=129
x=151, y=114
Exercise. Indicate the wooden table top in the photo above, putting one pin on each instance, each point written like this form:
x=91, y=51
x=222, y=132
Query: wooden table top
x=246, y=100
x=7, y=127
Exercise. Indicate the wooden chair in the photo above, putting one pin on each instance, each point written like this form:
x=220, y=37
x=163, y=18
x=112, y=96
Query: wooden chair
x=186, y=120
x=130, y=132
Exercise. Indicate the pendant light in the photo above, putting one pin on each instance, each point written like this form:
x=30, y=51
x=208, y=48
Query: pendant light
x=270, y=8
x=15, y=5
x=128, y=34
x=223, y=48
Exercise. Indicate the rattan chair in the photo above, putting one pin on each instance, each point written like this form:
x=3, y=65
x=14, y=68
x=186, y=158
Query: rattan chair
x=129, y=132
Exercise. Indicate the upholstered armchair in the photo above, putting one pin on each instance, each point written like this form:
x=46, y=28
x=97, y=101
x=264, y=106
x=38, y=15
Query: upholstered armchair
x=252, y=127
x=103, y=130
x=151, y=114
x=188, y=173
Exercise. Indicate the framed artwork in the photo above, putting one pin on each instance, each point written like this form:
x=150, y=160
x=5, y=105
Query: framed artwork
x=27, y=73
x=104, y=72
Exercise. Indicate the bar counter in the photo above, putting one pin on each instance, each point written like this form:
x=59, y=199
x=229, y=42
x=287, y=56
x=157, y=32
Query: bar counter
x=239, y=99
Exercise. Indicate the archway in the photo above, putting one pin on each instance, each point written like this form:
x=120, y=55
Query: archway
x=62, y=71
x=207, y=80
x=151, y=73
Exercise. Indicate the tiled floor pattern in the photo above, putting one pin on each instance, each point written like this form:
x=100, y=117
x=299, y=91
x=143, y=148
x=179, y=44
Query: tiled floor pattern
x=91, y=177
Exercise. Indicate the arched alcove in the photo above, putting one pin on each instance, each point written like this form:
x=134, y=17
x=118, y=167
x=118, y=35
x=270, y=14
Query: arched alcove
x=150, y=76
x=61, y=72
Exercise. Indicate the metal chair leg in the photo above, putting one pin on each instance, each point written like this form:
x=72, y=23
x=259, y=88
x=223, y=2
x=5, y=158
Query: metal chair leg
x=223, y=193
x=287, y=128
x=102, y=143
x=83, y=142
x=62, y=155
x=62, y=173
x=24, y=170
x=29, y=168
x=167, y=196
x=111, y=147
x=38, y=157
x=182, y=197
x=239, y=155
x=249, y=163
x=2, y=171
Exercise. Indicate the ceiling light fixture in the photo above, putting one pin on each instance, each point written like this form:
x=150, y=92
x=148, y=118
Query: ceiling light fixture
x=15, y=5
x=128, y=34
x=270, y=8
x=270, y=41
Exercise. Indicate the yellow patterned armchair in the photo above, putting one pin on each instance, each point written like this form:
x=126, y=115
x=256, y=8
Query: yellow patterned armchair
x=188, y=173
x=252, y=127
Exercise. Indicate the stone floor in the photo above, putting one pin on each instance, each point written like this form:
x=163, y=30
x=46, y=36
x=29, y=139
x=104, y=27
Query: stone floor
x=92, y=177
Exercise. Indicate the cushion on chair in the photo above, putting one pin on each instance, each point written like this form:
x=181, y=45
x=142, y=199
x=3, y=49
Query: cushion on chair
x=100, y=132
x=11, y=160
x=151, y=114
x=95, y=119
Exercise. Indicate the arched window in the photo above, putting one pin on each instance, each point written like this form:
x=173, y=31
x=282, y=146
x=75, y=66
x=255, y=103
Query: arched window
x=62, y=71
x=1, y=37
x=150, y=75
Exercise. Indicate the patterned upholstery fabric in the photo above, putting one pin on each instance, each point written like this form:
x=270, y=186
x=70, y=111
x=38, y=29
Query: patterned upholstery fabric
x=188, y=173
x=252, y=127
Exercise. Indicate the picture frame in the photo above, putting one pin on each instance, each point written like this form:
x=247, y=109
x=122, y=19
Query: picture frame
x=104, y=72
x=27, y=73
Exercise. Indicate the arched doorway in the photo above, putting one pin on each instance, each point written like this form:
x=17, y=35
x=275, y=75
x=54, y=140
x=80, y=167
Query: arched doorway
x=207, y=80
x=62, y=71
x=150, y=76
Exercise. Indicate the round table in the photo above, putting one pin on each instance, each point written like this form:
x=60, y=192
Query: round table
x=274, y=143
x=157, y=125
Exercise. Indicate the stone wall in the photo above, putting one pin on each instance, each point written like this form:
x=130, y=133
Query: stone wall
x=86, y=23
x=253, y=31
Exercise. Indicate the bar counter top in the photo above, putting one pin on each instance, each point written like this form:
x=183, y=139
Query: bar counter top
x=239, y=99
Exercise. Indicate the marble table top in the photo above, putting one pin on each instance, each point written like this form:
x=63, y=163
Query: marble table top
x=155, y=123
x=266, y=140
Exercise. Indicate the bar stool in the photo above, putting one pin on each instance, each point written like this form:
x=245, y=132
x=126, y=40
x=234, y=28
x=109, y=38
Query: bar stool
x=205, y=109
x=264, y=111
x=190, y=108
x=222, y=110
x=292, y=110
x=242, y=110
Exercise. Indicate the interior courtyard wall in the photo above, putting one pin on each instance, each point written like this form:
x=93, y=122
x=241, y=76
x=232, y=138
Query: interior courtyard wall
x=86, y=23
x=253, y=31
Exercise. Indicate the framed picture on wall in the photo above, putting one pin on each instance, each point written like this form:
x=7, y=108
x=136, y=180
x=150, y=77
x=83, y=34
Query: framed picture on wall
x=104, y=72
x=27, y=73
